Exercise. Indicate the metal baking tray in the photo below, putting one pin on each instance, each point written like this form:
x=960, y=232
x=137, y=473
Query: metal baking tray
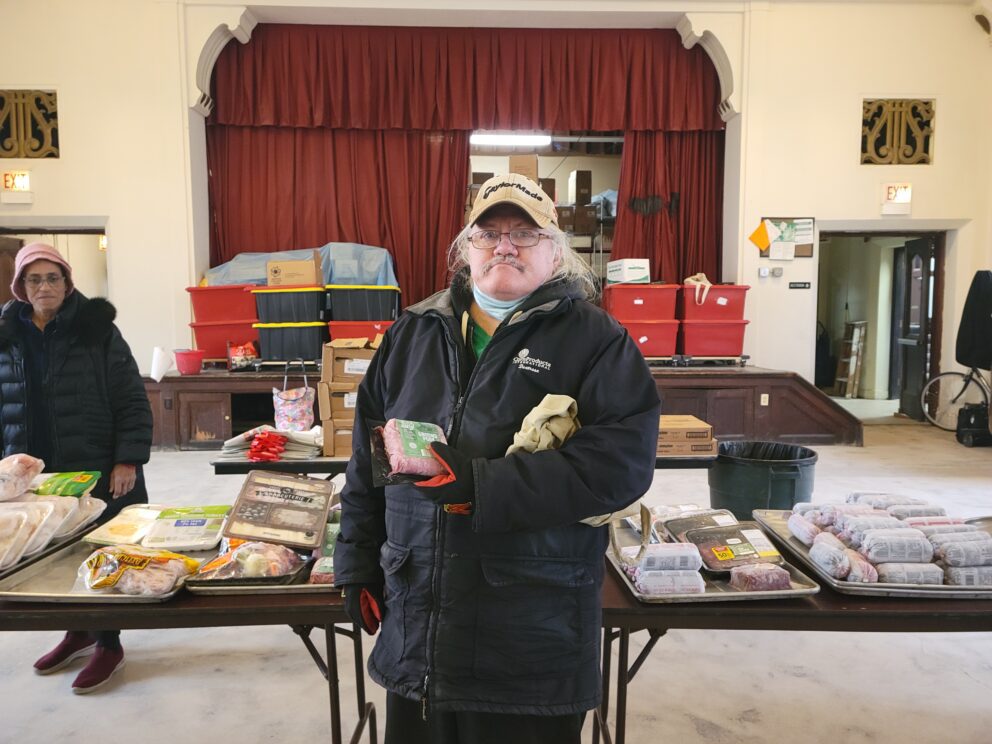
x=775, y=523
x=51, y=579
x=296, y=583
x=718, y=587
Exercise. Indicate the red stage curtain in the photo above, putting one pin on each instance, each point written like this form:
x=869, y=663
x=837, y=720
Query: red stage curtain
x=275, y=189
x=670, y=203
x=356, y=77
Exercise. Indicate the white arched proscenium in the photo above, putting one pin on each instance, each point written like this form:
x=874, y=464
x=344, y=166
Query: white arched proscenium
x=211, y=50
x=707, y=39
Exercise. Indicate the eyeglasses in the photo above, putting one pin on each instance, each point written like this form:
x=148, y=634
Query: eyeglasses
x=487, y=240
x=35, y=280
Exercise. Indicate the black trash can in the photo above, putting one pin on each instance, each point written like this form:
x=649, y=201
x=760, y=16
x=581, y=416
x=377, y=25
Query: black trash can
x=761, y=475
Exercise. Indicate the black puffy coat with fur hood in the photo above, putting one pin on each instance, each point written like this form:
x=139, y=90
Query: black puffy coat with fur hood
x=99, y=408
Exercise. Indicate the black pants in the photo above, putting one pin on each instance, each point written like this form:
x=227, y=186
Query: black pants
x=104, y=638
x=405, y=725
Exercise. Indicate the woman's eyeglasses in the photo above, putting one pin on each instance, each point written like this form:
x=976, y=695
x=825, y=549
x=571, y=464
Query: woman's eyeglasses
x=487, y=240
x=34, y=280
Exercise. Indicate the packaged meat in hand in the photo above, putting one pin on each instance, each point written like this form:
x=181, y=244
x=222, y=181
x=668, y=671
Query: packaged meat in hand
x=723, y=548
x=130, y=569
x=407, y=446
x=861, y=572
x=909, y=573
x=760, y=577
x=16, y=474
x=802, y=529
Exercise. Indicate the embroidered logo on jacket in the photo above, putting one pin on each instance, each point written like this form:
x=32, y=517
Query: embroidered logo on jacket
x=526, y=362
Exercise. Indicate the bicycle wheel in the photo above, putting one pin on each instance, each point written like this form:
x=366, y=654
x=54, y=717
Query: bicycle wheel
x=946, y=394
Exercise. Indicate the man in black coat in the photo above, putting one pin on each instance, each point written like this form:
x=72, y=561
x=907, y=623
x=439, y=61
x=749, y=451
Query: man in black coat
x=71, y=395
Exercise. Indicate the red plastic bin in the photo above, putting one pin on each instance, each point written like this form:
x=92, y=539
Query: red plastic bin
x=655, y=338
x=212, y=337
x=723, y=302
x=640, y=301
x=358, y=328
x=227, y=302
x=712, y=338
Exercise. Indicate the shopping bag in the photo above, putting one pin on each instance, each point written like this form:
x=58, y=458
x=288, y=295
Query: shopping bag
x=293, y=407
x=700, y=282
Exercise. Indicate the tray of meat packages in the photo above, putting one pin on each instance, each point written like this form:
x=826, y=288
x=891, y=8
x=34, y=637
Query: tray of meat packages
x=678, y=571
x=888, y=553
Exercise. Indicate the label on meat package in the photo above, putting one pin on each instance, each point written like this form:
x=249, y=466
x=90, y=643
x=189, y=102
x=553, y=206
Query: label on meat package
x=761, y=543
x=282, y=509
x=723, y=548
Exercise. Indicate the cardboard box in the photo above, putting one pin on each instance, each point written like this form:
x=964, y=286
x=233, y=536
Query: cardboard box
x=344, y=365
x=336, y=400
x=683, y=428
x=688, y=449
x=629, y=270
x=525, y=165
x=337, y=437
x=285, y=273
x=480, y=178
x=580, y=187
x=586, y=219
x=548, y=187
x=566, y=218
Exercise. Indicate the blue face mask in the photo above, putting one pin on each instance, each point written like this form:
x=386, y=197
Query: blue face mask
x=498, y=309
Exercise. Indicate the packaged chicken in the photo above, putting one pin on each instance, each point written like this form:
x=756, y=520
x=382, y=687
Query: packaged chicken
x=884, y=546
x=14, y=534
x=45, y=522
x=968, y=575
x=187, y=528
x=87, y=512
x=65, y=509
x=133, y=570
x=909, y=573
x=802, y=529
x=760, y=577
x=16, y=474
x=76, y=483
x=251, y=560
x=906, y=511
x=127, y=528
x=36, y=530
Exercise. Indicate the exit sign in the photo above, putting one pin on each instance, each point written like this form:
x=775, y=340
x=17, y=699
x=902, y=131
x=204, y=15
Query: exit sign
x=16, y=187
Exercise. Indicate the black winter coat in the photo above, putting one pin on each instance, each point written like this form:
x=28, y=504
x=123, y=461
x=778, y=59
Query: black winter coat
x=498, y=611
x=100, y=414
x=974, y=341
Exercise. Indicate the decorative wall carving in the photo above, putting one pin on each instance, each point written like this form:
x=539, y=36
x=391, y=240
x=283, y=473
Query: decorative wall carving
x=897, y=131
x=29, y=124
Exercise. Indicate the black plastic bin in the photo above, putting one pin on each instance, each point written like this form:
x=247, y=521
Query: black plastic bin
x=282, y=342
x=289, y=305
x=761, y=475
x=362, y=302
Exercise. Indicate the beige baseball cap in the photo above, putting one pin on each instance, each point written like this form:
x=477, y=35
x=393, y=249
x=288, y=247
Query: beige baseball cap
x=519, y=191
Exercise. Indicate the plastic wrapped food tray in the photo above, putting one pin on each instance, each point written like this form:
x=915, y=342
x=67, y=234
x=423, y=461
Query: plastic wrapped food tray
x=292, y=583
x=775, y=523
x=724, y=548
x=718, y=587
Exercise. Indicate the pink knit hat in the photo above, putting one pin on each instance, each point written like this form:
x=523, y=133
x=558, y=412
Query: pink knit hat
x=38, y=252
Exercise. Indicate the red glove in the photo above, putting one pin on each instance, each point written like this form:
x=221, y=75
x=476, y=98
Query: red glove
x=363, y=603
x=455, y=487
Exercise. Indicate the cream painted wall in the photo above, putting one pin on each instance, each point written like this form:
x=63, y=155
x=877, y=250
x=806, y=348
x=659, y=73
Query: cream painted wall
x=132, y=152
x=605, y=170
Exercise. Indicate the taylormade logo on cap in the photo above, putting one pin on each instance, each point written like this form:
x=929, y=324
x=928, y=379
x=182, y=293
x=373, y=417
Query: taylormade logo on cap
x=519, y=191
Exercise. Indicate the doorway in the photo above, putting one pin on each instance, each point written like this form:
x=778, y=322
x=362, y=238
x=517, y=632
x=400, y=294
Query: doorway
x=84, y=250
x=886, y=288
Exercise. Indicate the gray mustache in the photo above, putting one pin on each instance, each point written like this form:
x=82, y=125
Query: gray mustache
x=502, y=260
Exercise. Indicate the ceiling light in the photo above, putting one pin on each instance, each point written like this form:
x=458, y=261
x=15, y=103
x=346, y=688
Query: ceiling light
x=509, y=139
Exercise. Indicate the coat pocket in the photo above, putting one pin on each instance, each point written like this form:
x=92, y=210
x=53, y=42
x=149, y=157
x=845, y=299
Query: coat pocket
x=537, y=618
x=394, y=561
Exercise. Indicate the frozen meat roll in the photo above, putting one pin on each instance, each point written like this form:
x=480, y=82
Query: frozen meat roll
x=831, y=559
x=909, y=573
x=760, y=577
x=880, y=500
x=885, y=547
x=968, y=553
x=862, y=572
x=904, y=511
x=968, y=575
x=945, y=529
x=802, y=507
x=933, y=521
x=802, y=529
x=829, y=539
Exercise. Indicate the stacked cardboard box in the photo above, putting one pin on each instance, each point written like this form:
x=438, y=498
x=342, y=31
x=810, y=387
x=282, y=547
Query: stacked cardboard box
x=343, y=365
x=685, y=436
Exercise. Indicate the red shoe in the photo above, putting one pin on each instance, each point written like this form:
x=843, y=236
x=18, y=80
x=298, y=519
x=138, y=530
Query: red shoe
x=70, y=648
x=104, y=664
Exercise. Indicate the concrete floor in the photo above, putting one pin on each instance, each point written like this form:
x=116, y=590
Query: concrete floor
x=737, y=687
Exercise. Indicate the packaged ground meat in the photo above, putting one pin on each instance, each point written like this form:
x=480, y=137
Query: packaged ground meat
x=723, y=548
x=891, y=547
x=831, y=559
x=657, y=583
x=829, y=539
x=968, y=575
x=760, y=577
x=905, y=511
x=968, y=554
x=861, y=572
x=676, y=527
x=881, y=500
x=934, y=521
x=666, y=557
x=829, y=513
x=945, y=529
x=407, y=445
x=802, y=529
x=802, y=507
x=909, y=573
x=940, y=542
x=856, y=526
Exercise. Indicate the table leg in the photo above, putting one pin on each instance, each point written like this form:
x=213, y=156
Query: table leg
x=333, y=687
x=622, y=679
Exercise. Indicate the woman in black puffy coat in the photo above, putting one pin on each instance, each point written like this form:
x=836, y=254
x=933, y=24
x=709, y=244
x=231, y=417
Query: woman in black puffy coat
x=71, y=395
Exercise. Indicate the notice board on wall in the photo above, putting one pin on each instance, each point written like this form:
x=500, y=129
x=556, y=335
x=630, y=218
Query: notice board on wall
x=790, y=237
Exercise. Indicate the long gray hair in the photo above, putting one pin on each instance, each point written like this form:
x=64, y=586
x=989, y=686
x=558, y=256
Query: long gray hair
x=571, y=267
